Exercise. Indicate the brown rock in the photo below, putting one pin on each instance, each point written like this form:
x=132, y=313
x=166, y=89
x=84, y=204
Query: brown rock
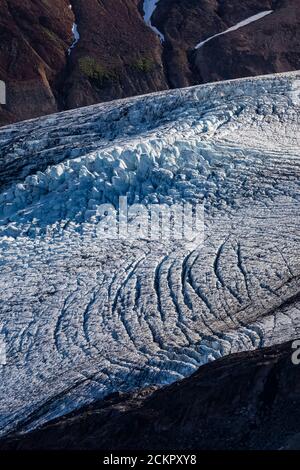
x=244, y=401
x=34, y=38
x=269, y=45
x=118, y=55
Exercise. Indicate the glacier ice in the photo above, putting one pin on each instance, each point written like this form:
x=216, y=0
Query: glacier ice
x=82, y=317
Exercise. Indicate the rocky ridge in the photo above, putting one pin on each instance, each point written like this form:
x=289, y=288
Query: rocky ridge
x=246, y=401
x=119, y=55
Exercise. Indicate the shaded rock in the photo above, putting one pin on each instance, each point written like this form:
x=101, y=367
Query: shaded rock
x=246, y=401
x=119, y=55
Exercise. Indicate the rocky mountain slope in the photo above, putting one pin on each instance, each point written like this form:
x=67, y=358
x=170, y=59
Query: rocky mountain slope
x=245, y=401
x=84, y=315
x=130, y=47
x=34, y=38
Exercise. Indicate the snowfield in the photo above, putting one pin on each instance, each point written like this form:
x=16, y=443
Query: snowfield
x=83, y=317
x=149, y=7
x=239, y=25
x=75, y=33
x=76, y=36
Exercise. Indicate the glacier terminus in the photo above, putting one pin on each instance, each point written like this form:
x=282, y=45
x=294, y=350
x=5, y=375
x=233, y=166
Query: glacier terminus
x=82, y=316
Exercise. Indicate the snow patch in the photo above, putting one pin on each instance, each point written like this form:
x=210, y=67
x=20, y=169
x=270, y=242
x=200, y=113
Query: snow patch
x=149, y=8
x=76, y=35
x=239, y=25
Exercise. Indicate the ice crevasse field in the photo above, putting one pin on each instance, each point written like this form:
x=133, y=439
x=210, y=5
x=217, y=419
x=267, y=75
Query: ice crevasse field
x=82, y=317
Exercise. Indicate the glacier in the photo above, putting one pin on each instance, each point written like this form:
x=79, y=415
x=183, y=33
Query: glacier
x=83, y=317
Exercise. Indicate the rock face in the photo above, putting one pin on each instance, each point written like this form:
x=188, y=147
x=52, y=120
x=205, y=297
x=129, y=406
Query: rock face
x=84, y=315
x=119, y=55
x=34, y=38
x=246, y=401
x=272, y=44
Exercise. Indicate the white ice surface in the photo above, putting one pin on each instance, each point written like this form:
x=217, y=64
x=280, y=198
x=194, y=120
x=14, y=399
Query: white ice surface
x=76, y=35
x=83, y=317
x=149, y=8
x=239, y=25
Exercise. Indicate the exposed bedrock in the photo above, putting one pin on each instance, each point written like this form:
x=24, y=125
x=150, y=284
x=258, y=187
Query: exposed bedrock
x=245, y=401
x=119, y=51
